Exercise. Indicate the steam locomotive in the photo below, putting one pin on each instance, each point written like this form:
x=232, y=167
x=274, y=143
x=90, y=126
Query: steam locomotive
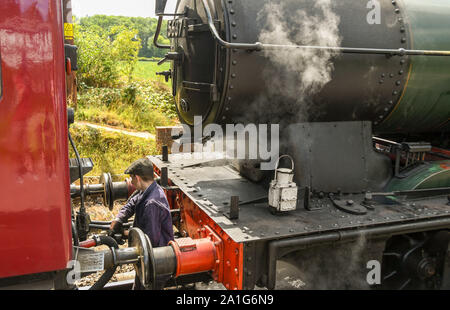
x=363, y=110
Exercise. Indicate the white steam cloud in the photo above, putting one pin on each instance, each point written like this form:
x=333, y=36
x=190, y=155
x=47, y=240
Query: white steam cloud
x=299, y=73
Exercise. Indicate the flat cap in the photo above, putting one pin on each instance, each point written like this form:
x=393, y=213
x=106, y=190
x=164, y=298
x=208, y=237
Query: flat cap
x=141, y=167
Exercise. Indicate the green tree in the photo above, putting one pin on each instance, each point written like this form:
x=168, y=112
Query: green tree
x=105, y=56
x=125, y=48
x=146, y=28
x=96, y=64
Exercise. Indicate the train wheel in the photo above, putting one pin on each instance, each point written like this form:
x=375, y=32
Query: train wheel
x=414, y=261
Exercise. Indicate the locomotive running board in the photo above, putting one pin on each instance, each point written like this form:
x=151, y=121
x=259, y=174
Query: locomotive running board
x=211, y=187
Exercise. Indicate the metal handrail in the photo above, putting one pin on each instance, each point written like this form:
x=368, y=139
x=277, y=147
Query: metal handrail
x=158, y=31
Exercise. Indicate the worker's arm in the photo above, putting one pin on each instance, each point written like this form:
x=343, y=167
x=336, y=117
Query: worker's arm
x=125, y=213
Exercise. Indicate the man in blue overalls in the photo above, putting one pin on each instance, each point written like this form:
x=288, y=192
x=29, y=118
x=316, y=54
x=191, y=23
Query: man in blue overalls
x=151, y=210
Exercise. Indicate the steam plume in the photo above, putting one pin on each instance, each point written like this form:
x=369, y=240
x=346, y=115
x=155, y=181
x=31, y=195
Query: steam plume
x=298, y=74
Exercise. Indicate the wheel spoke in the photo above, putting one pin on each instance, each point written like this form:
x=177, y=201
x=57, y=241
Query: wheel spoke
x=410, y=239
x=393, y=273
x=405, y=284
x=397, y=255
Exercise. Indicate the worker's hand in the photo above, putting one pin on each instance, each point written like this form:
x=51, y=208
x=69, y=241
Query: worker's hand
x=116, y=231
x=126, y=233
x=116, y=227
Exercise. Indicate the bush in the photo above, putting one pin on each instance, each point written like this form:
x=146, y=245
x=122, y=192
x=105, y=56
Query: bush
x=146, y=29
x=138, y=105
x=96, y=64
x=104, y=58
x=125, y=49
x=129, y=94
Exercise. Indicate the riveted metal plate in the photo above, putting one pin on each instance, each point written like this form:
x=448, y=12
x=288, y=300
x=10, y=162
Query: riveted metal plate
x=211, y=185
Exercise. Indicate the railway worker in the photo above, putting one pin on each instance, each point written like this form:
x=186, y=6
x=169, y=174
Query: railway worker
x=151, y=210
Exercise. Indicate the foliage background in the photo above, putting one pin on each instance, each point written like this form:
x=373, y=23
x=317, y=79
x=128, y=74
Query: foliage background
x=145, y=28
x=118, y=86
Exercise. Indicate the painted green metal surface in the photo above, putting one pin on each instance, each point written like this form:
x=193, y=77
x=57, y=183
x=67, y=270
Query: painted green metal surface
x=435, y=175
x=425, y=104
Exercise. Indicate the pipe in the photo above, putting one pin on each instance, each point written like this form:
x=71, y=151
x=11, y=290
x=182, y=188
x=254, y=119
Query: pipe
x=108, y=223
x=106, y=227
x=101, y=222
x=97, y=226
x=116, y=190
x=89, y=190
x=106, y=240
x=121, y=257
x=353, y=50
x=107, y=275
x=295, y=244
x=157, y=32
x=258, y=46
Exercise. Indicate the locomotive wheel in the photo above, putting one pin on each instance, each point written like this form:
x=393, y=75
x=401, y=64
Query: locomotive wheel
x=145, y=267
x=108, y=199
x=414, y=261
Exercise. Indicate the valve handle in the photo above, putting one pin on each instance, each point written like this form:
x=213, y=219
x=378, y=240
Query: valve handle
x=166, y=74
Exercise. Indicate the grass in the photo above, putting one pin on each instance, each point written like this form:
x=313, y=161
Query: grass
x=147, y=70
x=140, y=105
x=110, y=152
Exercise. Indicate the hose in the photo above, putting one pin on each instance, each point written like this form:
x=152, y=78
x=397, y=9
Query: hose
x=107, y=275
x=77, y=155
x=76, y=241
x=82, y=212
